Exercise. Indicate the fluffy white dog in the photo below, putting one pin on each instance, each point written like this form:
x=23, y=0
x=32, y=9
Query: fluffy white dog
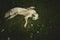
x=26, y=12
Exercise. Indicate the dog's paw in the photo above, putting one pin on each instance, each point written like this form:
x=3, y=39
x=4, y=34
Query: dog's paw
x=25, y=26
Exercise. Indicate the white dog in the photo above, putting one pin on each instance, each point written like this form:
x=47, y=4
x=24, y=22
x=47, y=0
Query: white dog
x=26, y=12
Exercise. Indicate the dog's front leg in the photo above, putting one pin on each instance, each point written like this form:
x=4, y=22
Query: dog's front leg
x=26, y=21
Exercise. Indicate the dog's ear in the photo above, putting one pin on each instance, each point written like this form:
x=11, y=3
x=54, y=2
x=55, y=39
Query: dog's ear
x=31, y=7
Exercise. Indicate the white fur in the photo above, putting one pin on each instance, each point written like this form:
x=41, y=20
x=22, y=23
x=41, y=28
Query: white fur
x=26, y=12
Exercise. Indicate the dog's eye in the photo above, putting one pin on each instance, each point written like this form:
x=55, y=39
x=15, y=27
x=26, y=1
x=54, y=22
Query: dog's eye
x=33, y=15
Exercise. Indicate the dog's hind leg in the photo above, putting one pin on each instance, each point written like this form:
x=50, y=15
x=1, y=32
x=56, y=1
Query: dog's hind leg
x=12, y=16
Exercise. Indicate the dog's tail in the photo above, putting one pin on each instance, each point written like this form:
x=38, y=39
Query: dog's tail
x=7, y=14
